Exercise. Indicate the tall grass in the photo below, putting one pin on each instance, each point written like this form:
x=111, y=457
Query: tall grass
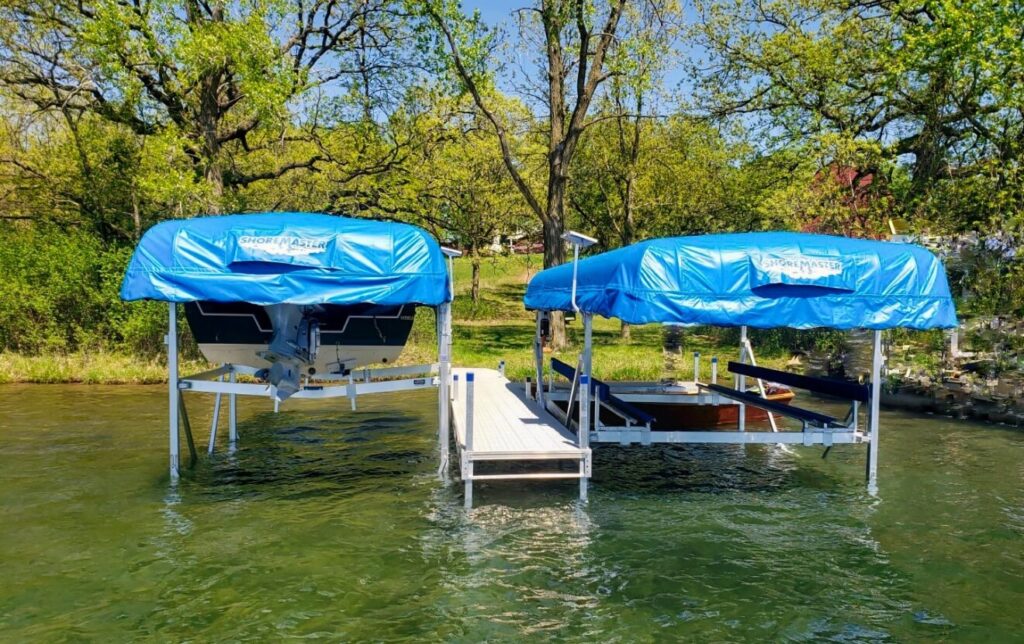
x=88, y=368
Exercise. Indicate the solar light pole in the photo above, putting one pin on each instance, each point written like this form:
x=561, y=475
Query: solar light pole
x=578, y=241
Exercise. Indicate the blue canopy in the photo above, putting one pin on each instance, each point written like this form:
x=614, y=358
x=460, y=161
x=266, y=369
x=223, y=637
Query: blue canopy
x=762, y=280
x=287, y=258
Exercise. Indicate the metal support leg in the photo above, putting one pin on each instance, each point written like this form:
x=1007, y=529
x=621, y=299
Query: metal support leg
x=584, y=418
x=187, y=426
x=538, y=360
x=444, y=344
x=216, y=418
x=172, y=387
x=232, y=414
x=741, y=381
x=467, y=452
x=584, y=493
x=876, y=397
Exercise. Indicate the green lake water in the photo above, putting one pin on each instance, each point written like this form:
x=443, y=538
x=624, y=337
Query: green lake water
x=332, y=524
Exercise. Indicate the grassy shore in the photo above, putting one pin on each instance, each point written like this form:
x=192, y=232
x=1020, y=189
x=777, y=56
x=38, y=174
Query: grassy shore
x=493, y=329
x=99, y=367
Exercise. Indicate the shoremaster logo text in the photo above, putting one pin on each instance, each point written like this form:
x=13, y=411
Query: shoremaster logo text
x=802, y=266
x=283, y=244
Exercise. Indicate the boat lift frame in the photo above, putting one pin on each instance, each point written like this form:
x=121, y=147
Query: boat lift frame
x=350, y=384
x=588, y=411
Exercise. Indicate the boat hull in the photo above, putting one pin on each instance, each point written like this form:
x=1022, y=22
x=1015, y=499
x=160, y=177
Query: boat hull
x=675, y=406
x=689, y=416
x=350, y=336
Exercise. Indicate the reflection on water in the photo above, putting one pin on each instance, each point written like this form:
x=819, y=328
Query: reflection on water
x=333, y=524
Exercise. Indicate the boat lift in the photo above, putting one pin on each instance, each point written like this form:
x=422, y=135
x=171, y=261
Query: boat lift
x=292, y=259
x=761, y=280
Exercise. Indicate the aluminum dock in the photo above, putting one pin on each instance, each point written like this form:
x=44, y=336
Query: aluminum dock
x=496, y=422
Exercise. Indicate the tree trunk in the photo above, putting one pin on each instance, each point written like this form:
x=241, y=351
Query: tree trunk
x=474, y=290
x=554, y=248
x=624, y=331
x=210, y=145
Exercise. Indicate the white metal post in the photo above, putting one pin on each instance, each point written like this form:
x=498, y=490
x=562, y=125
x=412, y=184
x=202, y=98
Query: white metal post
x=714, y=370
x=444, y=345
x=696, y=366
x=538, y=359
x=172, y=387
x=876, y=398
x=467, y=470
x=585, y=377
x=232, y=413
x=216, y=418
x=501, y=368
x=741, y=380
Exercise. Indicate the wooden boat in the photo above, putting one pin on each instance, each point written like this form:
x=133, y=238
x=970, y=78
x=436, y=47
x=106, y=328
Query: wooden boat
x=676, y=405
x=683, y=414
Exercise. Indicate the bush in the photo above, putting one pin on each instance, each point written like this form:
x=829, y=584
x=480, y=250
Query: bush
x=51, y=297
x=60, y=293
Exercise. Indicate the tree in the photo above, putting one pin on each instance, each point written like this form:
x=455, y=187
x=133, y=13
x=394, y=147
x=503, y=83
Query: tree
x=635, y=69
x=220, y=77
x=575, y=48
x=937, y=84
x=465, y=193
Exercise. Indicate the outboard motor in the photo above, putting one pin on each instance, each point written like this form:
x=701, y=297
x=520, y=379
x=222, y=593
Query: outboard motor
x=295, y=342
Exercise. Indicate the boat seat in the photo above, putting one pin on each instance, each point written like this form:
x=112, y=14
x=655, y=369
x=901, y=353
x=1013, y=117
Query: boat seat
x=805, y=416
x=833, y=387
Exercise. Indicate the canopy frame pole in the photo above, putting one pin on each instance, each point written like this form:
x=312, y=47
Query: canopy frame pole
x=583, y=429
x=538, y=358
x=444, y=348
x=741, y=380
x=444, y=367
x=876, y=397
x=171, y=340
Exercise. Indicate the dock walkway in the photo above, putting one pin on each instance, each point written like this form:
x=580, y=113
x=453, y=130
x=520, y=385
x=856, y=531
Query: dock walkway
x=507, y=426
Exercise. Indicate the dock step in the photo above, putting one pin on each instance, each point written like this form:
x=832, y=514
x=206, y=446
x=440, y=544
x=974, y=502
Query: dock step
x=539, y=476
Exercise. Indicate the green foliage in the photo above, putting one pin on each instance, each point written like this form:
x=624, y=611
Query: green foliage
x=806, y=115
x=930, y=92
x=52, y=296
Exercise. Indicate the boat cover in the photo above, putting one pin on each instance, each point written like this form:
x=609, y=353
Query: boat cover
x=777, y=279
x=287, y=258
